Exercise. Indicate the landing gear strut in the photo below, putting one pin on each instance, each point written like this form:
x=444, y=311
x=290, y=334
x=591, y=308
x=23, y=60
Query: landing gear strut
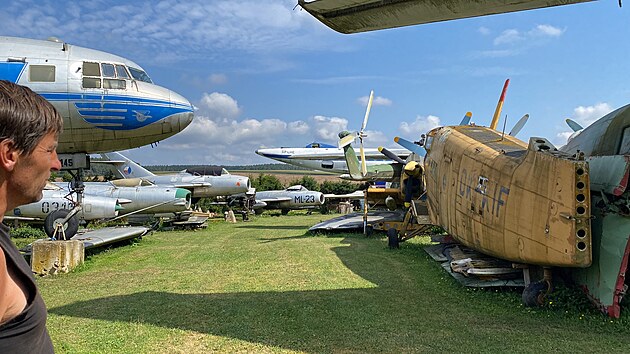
x=63, y=224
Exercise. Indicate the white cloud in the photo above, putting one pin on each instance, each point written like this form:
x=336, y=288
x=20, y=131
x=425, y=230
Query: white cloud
x=508, y=37
x=514, y=36
x=585, y=116
x=219, y=106
x=218, y=79
x=419, y=126
x=298, y=127
x=376, y=101
x=484, y=30
x=328, y=128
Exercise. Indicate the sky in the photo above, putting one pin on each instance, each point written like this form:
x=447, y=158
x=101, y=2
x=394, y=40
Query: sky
x=265, y=73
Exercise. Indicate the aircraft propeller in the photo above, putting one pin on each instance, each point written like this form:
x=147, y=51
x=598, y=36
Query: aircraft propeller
x=348, y=139
x=411, y=146
x=466, y=119
x=575, y=126
x=390, y=154
x=519, y=125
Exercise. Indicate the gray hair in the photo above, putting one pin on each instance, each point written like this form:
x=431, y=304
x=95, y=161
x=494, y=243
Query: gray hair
x=26, y=117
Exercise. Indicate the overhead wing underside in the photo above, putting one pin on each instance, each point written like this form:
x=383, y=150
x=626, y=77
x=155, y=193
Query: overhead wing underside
x=352, y=16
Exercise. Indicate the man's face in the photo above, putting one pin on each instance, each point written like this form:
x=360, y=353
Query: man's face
x=32, y=171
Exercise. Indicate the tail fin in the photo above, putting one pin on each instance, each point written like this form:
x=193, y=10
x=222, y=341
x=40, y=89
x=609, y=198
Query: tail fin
x=497, y=111
x=354, y=166
x=126, y=167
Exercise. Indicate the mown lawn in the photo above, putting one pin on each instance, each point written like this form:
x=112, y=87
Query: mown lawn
x=268, y=286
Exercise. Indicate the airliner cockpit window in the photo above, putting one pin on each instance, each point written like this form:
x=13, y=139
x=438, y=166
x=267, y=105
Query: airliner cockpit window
x=91, y=69
x=121, y=72
x=140, y=75
x=108, y=70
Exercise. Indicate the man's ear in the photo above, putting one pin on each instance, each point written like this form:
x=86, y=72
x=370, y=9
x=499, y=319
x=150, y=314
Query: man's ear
x=9, y=155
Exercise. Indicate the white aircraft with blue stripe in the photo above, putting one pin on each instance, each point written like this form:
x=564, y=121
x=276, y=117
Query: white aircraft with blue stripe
x=108, y=102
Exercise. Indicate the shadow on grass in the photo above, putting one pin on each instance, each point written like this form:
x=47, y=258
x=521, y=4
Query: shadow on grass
x=274, y=227
x=317, y=320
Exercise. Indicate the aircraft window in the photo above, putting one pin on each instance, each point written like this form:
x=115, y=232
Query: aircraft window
x=91, y=69
x=91, y=82
x=108, y=70
x=428, y=142
x=624, y=148
x=114, y=84
x=140, y=75
x=121, y=72
x=41, y=73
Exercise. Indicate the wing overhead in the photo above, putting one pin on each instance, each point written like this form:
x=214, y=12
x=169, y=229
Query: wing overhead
x=352, y=16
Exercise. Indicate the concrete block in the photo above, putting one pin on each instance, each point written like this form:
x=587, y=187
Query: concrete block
x=51, y=257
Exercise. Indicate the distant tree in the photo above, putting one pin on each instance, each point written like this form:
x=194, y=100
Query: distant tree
x=266, y=182
x=341, y=187
x=307, y=181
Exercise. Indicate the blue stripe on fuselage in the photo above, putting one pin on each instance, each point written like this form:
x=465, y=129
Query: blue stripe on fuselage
x=11, y=71
x=117, y=112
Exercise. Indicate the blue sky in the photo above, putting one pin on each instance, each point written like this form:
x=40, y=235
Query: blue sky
x=264, y=74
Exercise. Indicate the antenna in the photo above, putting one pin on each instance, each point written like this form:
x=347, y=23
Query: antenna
x=504, y=124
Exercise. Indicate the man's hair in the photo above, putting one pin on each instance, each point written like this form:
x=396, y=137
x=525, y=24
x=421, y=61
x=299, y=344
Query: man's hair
x=26, y=117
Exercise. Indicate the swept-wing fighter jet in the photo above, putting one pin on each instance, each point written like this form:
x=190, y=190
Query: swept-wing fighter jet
x=352, y=16
x=220, y=183
x=324, y=157
x=294, y=197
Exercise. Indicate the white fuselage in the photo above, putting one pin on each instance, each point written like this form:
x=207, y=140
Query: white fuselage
x=325, y=159
x=107, y=102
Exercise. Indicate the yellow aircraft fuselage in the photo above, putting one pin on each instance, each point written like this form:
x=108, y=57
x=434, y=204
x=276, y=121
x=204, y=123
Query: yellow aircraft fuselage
x=524, y=203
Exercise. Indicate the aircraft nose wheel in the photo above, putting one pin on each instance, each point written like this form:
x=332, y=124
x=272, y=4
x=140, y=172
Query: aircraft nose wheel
x=54, y=227
x=534, y=293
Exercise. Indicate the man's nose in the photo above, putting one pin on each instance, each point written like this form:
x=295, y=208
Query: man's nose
x=56, y=164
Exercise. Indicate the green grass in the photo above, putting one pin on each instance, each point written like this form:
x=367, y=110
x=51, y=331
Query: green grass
x=267, y=286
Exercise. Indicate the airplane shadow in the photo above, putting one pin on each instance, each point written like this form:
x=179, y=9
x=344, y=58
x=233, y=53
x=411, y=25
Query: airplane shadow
x=286, y=319
x=275, y=227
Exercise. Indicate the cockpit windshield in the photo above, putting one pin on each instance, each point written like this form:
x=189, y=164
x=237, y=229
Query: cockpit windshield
x=140, y=75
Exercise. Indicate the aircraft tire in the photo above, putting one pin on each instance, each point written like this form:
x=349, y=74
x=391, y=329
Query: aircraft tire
x=534, y=294
x=284, y=211
x=70, y=228
x=392, y=238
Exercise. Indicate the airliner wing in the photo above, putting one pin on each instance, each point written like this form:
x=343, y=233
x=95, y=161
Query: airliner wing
x=352, y=16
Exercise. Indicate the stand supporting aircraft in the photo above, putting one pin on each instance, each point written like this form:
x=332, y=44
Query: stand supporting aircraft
x=324, y=157
x=352, y=16
x=219, y=183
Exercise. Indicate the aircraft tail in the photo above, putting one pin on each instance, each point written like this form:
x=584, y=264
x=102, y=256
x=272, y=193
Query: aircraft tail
x=354, y=166
x=126, y=167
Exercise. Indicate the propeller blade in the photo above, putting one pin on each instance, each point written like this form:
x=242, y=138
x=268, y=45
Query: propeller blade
x=390, y=154
x=363, y=165
x=348, y=139
x=519, y=125
x=497, y=112
x=575, y=126
x=466, y=119
x=367, y=112
x=409, y=145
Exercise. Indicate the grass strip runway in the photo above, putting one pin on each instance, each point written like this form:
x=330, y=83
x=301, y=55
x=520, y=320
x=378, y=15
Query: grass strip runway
x=266, y=286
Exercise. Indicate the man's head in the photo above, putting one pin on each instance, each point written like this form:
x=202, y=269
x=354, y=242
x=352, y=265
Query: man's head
x=29, y=128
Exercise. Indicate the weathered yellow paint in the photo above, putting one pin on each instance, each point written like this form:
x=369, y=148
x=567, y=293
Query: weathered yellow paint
x=50, y=257
x=494, y=193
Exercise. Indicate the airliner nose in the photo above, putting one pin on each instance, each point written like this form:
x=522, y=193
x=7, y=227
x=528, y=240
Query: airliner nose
x=260, y=152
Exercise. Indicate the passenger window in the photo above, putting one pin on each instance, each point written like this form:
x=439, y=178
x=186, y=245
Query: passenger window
x=41, y=73
x=428, y=142
x=91, y=69
x=108, y=70
x=114, y=84
x=624, y=148
x=121, y=72
x=91, y=82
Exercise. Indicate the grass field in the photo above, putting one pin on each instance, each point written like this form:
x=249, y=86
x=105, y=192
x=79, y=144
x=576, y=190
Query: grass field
x=268, y=286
